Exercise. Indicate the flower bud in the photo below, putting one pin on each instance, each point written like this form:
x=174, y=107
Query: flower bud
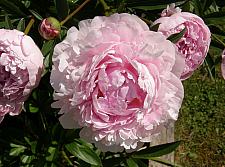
x=49, y=28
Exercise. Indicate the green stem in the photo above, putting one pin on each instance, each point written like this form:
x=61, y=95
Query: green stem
x=31, y=22
x=67, y=158
x=43, y=121
x=105, y=6
x=74, y=12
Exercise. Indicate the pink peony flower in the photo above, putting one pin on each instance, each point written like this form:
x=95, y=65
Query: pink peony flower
x=194, y=44
x=117, y=80
x=223, y=64
x=20, y=70
x=49, y=28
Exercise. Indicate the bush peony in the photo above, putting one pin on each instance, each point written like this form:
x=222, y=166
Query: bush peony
x=117, y=80
x=20, y=70
x=194, y=44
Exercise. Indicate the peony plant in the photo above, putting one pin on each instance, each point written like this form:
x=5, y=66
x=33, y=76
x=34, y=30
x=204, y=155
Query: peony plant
x=111, y=81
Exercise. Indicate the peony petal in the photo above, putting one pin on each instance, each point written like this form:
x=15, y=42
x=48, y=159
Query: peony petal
x=67, y=121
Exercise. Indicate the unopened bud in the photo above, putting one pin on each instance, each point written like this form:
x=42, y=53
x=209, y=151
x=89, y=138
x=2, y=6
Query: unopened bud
x=49, y=28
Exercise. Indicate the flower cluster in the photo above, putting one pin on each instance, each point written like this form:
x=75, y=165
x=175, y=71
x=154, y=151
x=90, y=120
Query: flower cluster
x=112, y=77
x=21, y=64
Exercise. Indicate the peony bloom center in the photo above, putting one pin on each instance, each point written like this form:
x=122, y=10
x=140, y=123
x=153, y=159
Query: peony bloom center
x=112, y=90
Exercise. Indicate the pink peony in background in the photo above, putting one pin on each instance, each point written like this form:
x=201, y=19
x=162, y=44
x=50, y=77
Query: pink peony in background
x=194, y=45
x=117, y=80
x=20, y=70
x=223, y=64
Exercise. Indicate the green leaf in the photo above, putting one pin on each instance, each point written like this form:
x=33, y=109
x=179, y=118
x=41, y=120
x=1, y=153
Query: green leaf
x=2, y=24
x=215, y=21
x=52, y=152
x=216, y=29
x=32, y=144
x=141, y=163
x=176, y=37
x=187, y=7
x=10, y=6
x=8, y=23
x=47, y=50
x=131, y=163
x=26, y=159
x=217, y=44
x=21, y=25
x=47, y=47
x=62, y=8
x=210, y=66
x=16, y=149
x=155, y=27
x=220, y=3
x=63, y=33
x=33, y=108
x=148, y=8
x=134, y=3
x=207, y=4
x=16, y=145
x=215, y=15
x=218, y=39
x=73, y=1
x=40, y=162
x=216, y=18
x=83, y=142
x=156, y=151
x=114, y=161
x=164, y=162
x=84, y=152
x=197, y=7
x=36, y=14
